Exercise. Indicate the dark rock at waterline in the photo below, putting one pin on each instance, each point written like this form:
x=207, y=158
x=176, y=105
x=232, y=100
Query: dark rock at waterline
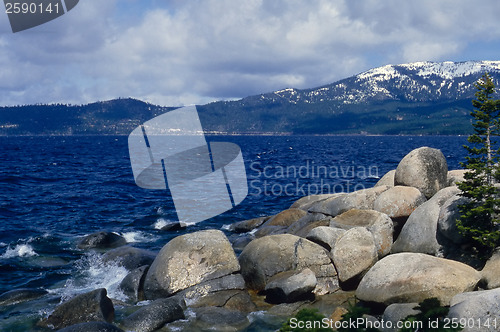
x=224, y=319
x=154, y=315
x=247, y=225
x=21, y=295
x=129, y=257
x=92, y=327
x=88, y=307
x=174, y=226
x=133, y=284
x=102, y=240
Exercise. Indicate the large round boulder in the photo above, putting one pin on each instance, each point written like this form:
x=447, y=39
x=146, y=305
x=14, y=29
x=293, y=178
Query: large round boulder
x=490, y=272
x=188, y=260
x=354, y=253
x=285, y=218
x=399, y=201
x=378, y=223
x=448, y=216
x=425, y=169
x=267, y=256
x=419, y=233
x=414, y=277
x=387, y=179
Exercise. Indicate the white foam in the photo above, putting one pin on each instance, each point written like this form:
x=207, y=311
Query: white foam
x=92, y=273
x=20, y=250
x=226, y=227
x=160, y=223
x=133, y=237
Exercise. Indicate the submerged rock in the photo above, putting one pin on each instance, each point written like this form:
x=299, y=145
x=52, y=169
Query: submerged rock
x=92, y=327
x=410, y=277
x=102, y=240
x=88, y=307
x=21, y=295
x=188, y=260
x=425, y=169
x=129, y=257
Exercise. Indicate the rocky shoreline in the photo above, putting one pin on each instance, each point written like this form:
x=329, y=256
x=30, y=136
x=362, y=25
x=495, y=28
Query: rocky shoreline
x=391, y=246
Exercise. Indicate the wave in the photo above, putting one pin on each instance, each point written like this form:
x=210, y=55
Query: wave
x=138, y=236
x=20, y=250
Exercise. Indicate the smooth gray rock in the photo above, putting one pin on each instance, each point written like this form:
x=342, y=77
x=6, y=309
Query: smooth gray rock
x=21, y=295
x=247, y=225
x=399, y=201
x=414, y=277
x=129, y=257
x=102, y=240
x=154, y=315
x=88, y=307
x=456, y=176
x=290, y=286
x=397, y=312
x=304, y=225
x=306, y=202
x=325, y=236
x=387, y=179
x=188, y=260
x=490, y=274
x=354, y=253
x=285, y=218
x=425, y=169
x=482, y=307
x=378, y=223
x=133, y=284
x=448, y=216
x=419, y=233
x=91, y=327
x=361, y=199
x=267, y=256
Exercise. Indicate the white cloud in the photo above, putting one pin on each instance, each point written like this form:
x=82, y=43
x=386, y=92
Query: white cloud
x=184, y=52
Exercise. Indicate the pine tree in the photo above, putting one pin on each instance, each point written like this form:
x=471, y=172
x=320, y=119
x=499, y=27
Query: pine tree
x=480, y=214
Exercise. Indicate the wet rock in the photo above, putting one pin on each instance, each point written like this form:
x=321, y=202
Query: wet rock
x=154, y=315
x=387, y=179
x=92, y=327
x=354, y=253
x=129, y=257
x=413, y=277
x=188, y=260
x=102, y=240
x=399, y=201
x=325, y=236
x=378, y=223
x=21, y=295
x=419, y=233
x=483, y=307
x=290, y=286
x=267, y=256
x=423, y=168
x=88, y=307
x=173, y=226
x=133, y=284
x=247, y=225
x=361, y=199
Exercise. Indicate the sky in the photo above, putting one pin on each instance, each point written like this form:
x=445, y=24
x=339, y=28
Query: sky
x=183, y=52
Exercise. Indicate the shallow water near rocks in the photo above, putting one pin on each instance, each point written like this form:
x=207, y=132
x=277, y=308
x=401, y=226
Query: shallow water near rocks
x=55, y=190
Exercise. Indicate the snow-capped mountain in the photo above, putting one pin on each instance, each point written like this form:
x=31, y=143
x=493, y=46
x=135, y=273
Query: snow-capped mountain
x=413, y=82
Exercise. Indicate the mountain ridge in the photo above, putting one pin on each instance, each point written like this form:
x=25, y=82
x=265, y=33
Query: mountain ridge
x=413, y=98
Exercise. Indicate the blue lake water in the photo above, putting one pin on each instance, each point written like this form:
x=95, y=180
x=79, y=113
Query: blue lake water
x=54, y=190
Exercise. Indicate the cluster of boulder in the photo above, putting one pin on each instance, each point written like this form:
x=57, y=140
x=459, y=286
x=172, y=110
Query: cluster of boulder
x=392, y=245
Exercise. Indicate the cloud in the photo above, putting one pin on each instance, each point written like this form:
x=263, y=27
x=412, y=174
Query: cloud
x=184, y=52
